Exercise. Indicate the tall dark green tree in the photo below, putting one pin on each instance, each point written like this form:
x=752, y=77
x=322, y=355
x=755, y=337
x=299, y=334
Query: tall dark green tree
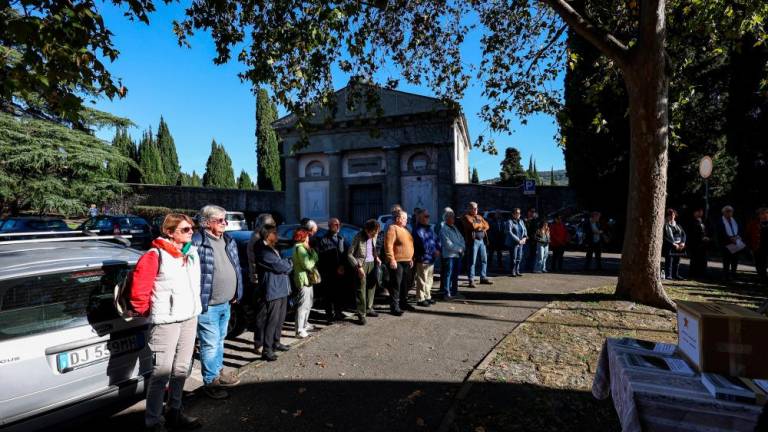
x=267, y=148
x=168, y=156
x=512, y=173
x=150, y=164
x=125, y=170
x=218, y=169
x=196, y=180
x=552, y=177
x=475, y=176
x=244, y=181
x=191, y=179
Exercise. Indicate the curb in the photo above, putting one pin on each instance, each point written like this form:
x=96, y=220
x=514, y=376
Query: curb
x=479, y=370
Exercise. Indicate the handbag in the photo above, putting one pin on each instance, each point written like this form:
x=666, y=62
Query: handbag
x=313, y=276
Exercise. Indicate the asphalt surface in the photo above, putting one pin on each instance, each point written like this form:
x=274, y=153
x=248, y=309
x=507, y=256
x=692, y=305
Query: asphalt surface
x=395, y=373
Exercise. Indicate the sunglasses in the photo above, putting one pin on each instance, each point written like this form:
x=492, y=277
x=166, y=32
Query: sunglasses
x=221, y=221
x=185, y=230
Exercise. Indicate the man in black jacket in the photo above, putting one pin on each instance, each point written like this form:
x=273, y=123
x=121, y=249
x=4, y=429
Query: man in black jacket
x=593, y=240
x=699, y=234
x=332, y=251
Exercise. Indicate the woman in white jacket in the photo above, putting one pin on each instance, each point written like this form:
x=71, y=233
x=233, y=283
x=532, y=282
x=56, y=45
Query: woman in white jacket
x=166, y=288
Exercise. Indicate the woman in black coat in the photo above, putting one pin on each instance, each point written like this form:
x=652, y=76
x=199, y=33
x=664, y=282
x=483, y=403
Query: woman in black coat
x=673, y=247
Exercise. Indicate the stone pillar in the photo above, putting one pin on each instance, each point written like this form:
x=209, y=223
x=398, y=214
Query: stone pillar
x=445, y=172
x=292, y=206
x=335, y=185
x=393, y=190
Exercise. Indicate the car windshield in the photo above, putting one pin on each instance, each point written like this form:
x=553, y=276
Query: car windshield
x=44, y=303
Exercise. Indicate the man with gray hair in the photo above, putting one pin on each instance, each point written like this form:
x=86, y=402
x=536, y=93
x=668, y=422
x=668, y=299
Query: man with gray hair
x=262, y=220
x=220, y=285
x=475, y=228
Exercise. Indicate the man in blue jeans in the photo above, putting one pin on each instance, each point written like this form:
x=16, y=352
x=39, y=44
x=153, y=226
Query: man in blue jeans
x=475, y=228
x=221, y=285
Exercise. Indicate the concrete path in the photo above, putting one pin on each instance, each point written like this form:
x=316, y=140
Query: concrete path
x=396, y=373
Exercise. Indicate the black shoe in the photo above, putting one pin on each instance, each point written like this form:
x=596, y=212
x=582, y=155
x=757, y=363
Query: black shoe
x=339, y=317
x=397, y=312
x=432, y=301
x=215, y=392
x=372, y=313
x=486, y=282
x=361, y=319
x=268, y=356
x=329, y=318
x=471, y=285
x=424, y=303
x=176, y=419
x=281, y=347
x=408, y=308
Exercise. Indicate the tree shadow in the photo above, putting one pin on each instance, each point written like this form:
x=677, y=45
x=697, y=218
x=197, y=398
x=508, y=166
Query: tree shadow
x=378, y=405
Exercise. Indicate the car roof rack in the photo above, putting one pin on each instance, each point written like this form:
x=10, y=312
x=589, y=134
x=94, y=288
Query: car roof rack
x=37, y=233
x=67, y=237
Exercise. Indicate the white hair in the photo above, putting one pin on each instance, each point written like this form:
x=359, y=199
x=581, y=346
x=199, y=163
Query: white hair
x=209, y=212
x=448, y=212
x=727, y=208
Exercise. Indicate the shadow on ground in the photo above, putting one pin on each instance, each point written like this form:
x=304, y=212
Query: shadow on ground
x=293, y=406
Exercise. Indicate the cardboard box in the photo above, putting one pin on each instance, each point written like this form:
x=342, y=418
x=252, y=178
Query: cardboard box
x=723, y=338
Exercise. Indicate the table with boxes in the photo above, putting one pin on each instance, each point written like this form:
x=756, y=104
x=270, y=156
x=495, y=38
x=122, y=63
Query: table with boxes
x=714, y=379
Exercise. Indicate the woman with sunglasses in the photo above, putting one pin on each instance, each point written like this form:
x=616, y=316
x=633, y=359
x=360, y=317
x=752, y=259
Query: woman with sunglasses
x=166, y=288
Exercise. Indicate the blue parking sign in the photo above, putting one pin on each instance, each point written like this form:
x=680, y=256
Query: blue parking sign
x=529, y=187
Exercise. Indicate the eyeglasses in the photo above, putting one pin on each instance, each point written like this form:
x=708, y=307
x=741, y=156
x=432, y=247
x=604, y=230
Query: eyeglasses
x=185, y=230
x=220, y=221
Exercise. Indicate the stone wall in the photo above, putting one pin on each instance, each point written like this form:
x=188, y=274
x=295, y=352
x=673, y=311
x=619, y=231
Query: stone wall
x=187, y=197
x=547, y=198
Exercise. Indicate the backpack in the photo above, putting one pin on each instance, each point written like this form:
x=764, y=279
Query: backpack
x=122, y=292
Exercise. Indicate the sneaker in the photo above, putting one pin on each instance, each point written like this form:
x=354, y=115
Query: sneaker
x=302, y=334
x=361, y=319
x=424, y=303
x=268, y=356
x=215, y=392
x=372, y=313
x=486, y=282
x=176, y=419
x=397, y=312
x=309, y=327
x=281, y=347
x=432, y=301
x=226, y=380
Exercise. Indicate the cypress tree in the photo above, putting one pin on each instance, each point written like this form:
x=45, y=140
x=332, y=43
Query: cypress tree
x=512, y=173
x=244, y=181
x=196, y=180
x=552, y=177
x=267, y=149
x=218, y=169
x=150, y=164
x=168, y=155
x=123, y=170
x=475, y=176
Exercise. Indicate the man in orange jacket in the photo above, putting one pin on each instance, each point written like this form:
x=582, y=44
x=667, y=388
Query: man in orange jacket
x=475, y=230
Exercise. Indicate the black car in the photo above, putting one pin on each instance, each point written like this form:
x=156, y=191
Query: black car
x=29, y=224
x=136, y=227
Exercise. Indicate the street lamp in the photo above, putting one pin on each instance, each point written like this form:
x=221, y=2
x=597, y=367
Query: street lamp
x=705, y=170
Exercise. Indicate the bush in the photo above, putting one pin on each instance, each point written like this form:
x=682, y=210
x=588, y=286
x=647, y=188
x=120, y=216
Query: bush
x=151, y=212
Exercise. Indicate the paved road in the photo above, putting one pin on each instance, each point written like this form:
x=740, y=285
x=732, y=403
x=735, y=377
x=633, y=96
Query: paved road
x=396, y=373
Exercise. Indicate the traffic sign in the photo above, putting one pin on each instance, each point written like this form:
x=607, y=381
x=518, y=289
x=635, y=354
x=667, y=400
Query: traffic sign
x=529, y=187
x=705, y=167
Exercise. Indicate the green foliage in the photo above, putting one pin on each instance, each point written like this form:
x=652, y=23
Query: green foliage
x=218, y=169
x=475, y=176
x=168, y=156
x=267, y=149
x=150, y=163
x=151, y=212
x=124, y=171
x=51, y=57
x=190, y=179
x=552, y=181
x=244, y=181
x=512, y=173
x=49, y=168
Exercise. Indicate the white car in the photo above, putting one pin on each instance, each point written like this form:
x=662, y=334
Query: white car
x=236, y=221
x=64, y=350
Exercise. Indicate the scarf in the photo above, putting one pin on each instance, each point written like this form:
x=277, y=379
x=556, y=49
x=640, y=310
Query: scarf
x=161, y=243
x=732, y=228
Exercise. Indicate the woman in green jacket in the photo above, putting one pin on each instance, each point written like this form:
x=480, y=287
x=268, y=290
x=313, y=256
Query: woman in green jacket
x=304, y=262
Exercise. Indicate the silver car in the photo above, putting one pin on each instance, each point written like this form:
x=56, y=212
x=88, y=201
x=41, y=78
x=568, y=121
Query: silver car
x=64, y=351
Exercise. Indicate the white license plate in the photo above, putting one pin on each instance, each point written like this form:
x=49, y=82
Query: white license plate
x=136, y=231
x=82, y=357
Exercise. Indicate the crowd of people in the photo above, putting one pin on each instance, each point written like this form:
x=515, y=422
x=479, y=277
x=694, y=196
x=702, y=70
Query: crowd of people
x=187, y=282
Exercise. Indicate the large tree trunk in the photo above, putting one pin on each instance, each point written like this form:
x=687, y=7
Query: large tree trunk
x=647, y=85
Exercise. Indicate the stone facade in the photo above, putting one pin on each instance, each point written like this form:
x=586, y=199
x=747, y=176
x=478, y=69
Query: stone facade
x=358, y=165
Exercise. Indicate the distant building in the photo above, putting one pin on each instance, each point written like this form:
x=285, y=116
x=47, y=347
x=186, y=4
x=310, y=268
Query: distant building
x=419, y=151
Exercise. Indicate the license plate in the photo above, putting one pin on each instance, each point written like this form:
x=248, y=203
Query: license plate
x=70, y=360
x=136, y=231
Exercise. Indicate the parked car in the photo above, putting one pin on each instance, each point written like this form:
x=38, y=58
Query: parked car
x=64, y=350
x=32, y=223
x=285, y=233
x=236, y=221
x=136, y=227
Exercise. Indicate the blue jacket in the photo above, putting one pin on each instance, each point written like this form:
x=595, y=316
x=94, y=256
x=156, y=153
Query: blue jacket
x=515, y=232
x=452, y=241
x=205, y=250
x=272, y=271
x=425, y=244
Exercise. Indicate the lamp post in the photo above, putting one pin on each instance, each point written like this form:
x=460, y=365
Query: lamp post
x=705, y=170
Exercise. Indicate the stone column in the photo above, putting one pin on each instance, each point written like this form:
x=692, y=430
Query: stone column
x=292, y=206
x=335, y=185
x=393, y=191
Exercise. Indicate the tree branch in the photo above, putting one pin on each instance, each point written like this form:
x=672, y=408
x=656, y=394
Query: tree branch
x=601, y=39
x=545, y=48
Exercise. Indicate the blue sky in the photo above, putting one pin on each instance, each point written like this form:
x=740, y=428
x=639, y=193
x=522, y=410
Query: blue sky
x=201, y=101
